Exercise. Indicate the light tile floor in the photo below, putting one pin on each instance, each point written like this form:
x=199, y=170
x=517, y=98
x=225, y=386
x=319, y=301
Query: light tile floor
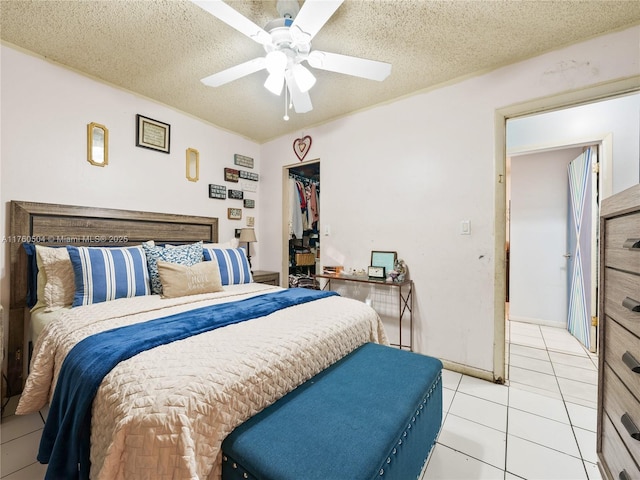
x=541, y=426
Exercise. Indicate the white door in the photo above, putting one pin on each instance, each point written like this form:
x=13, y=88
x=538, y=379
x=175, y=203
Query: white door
x=581, y=252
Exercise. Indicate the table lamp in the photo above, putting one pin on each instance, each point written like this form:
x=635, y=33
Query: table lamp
x=248, y=235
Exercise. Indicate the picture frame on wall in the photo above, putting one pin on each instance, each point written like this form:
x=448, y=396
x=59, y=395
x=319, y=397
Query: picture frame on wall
x=234, y=213
x=217, y=191
x=231, y=175
x=153, y=134
x=235, y=194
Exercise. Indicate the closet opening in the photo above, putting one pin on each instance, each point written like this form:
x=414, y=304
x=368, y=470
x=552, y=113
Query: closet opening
x=301, y=229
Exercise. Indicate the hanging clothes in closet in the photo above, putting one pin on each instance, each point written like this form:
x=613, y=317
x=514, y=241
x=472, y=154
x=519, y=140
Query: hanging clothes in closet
x=304, y=203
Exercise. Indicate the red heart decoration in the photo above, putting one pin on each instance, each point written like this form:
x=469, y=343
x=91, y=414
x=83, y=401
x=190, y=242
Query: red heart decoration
x=301, y=147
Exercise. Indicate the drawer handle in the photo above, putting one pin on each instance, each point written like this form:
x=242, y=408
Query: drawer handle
x=631, y=243
x=630, y=426
x=631, y=304
x=631, y=362
x=624, y=475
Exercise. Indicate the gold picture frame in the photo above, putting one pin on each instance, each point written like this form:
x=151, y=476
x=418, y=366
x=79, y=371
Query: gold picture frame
x=97, y=144
x=192, y=165
x=153, y=134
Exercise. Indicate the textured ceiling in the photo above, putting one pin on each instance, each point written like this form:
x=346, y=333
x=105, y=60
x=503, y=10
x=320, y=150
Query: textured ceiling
x=161, y=49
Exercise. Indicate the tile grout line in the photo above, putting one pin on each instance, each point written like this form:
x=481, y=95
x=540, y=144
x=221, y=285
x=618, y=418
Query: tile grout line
x=564, y=404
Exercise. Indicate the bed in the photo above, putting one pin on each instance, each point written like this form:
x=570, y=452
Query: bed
x=164, y=412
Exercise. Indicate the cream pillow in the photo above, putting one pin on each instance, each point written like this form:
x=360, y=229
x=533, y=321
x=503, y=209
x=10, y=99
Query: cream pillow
x=180, y=280
x=60, y=282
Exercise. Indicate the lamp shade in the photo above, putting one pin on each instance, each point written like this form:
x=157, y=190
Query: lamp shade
x=247, y=235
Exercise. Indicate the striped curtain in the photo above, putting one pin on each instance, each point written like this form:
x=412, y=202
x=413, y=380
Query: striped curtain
x=579, y=312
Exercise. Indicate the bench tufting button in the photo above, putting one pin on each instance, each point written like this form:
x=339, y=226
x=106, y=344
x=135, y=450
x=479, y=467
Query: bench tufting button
x=225, y=458
x=381, y=471
x=235, y=465
x=400, y=442
x=394, y=451
x=244, y=475
x=388, y=460
x=413, y=419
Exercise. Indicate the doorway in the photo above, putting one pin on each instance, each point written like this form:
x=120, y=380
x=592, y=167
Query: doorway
x=580, y=132
x=301, y=231
x=552, y=278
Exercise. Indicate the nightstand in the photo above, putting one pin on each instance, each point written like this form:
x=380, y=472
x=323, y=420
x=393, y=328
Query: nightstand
x=263, y=276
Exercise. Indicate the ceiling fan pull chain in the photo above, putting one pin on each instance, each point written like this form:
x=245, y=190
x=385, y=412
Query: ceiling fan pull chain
x=286, y=105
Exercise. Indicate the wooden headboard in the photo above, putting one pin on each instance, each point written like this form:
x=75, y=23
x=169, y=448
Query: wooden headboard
x=51, y=224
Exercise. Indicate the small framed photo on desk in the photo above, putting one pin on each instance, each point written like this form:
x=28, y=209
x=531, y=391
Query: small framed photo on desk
x=376, y=273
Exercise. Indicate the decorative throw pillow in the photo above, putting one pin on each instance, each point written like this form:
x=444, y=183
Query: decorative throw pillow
x=233, y=264
x=233, y=243
x=180, y=280
x=181, y=254
x=103, y=274
x=56, y=279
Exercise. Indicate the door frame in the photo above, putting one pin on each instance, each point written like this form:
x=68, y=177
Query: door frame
x=284, y=278
x=560, y=101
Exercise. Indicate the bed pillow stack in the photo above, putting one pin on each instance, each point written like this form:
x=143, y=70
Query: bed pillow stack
x=186, y=255
x=67, y=275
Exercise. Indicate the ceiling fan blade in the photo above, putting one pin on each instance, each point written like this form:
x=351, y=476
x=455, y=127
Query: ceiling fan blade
x=234, y=19
x=358, y=67
x=314, y=14
x=301, y=100
x=233, y=73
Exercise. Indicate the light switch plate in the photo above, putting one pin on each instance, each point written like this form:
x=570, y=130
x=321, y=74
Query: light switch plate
x=465, y=227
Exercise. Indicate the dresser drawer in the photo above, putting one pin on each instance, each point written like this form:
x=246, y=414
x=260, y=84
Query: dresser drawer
x=618, y=341
x=618, y=401
x=618, y=231
x=620, y=285
x=617, y=459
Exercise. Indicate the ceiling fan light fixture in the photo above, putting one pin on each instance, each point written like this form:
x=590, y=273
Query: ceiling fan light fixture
x=276, y=62
x=303, y=77
x=274, y=82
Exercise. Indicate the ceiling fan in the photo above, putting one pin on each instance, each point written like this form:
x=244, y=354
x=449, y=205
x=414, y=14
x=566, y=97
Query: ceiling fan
x=287, y=43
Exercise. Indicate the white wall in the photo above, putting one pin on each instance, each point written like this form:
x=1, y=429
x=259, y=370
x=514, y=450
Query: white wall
x=404, y=175
x=45, y=112
x=538, y=218
x=618, y=116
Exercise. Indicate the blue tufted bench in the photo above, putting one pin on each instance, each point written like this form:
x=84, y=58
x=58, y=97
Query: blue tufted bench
x=375, y=414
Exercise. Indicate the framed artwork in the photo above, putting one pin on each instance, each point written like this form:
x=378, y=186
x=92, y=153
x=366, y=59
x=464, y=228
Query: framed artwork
x=152, y=134
x=234, y=213
x=384, y=259
x=231, y=175
x=242, y=161
x=249, y=175
x=249, y=203
x=217, y=191
x=235, y=194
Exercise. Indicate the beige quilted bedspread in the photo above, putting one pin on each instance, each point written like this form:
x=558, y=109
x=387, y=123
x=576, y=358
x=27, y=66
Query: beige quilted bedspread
x=164, y=413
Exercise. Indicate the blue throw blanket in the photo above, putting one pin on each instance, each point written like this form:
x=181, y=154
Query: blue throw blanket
x=65, y=439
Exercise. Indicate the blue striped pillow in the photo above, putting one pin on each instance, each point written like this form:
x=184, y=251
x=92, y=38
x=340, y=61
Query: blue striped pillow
x=104, y=274
x=233, y=264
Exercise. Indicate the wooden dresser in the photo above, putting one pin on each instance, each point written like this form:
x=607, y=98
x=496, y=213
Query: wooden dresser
x=619, y=373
